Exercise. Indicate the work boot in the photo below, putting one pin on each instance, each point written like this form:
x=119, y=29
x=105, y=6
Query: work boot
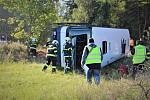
x=53, y=69
x=66, y=69
x=44, y=68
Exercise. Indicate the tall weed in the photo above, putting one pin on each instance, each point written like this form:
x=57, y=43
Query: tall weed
x=12, y=52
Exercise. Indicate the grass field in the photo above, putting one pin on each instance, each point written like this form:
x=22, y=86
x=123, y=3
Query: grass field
x=27, y=82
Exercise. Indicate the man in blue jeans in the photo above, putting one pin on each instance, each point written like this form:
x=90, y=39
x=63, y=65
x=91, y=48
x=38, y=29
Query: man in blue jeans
x=92, y=58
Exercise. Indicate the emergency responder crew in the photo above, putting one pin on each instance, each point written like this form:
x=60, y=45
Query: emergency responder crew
x=67, y=50
x=32, y=47
x=92, y=57
x=51, y=56
x=139, y=55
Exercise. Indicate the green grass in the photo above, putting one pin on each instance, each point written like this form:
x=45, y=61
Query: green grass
x=27, y=82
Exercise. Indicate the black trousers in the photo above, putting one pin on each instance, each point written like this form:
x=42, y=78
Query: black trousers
x=68, y=61
x=51, y=59
x=33, y=52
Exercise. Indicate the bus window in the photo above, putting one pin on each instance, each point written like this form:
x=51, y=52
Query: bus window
x=104, y=47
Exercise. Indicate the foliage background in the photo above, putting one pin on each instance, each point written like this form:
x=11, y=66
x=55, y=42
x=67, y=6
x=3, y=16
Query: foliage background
x=36, y=17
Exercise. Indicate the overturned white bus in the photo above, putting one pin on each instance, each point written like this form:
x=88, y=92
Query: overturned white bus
x=114, y=42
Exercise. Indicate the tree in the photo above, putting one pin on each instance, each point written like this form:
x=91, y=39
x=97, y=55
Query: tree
x=65, y=9
x=99, y=12
x=136, y=17
x=36, y=14
x=86, y=11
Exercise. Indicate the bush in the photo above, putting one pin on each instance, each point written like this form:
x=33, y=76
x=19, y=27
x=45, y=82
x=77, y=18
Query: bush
x=12, y=52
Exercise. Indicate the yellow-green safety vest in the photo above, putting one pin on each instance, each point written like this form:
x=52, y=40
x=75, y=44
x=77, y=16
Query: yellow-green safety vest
x=94, y=55
x=140, y=54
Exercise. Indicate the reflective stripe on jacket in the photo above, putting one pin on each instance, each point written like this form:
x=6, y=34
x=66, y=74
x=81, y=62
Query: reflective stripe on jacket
x=140, y=53
x=52, y=55
x=94, y=55
x=52, y=51
x=33, y=44
x=32, y=48
x=68, y=49
x=67, y=56
x=148, y=55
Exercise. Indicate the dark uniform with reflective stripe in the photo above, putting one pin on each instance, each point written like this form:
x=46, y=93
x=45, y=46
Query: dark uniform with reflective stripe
x=48, y=43
x=68, y=55
x=147, y=55
x=32, y=46
x=51, y=57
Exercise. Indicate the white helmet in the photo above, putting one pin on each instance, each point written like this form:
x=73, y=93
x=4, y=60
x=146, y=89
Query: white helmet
x=33, y=39
x=55, y=42
x=48, y=39
x=68, y=39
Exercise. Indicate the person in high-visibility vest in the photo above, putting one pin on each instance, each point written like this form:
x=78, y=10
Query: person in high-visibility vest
x=67, y=50
x=92, y=58
x=139, y=56
x=51, y=56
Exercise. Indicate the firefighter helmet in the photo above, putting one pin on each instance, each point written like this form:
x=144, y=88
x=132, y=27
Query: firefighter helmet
x=55, y=42
x=33, y=39
x=68, y=39
x=48, y=39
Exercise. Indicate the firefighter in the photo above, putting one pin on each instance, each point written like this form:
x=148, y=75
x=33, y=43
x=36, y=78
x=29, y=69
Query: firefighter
x=67, y=50
x=32, y=47
x=51, y=56
x=139, y=56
